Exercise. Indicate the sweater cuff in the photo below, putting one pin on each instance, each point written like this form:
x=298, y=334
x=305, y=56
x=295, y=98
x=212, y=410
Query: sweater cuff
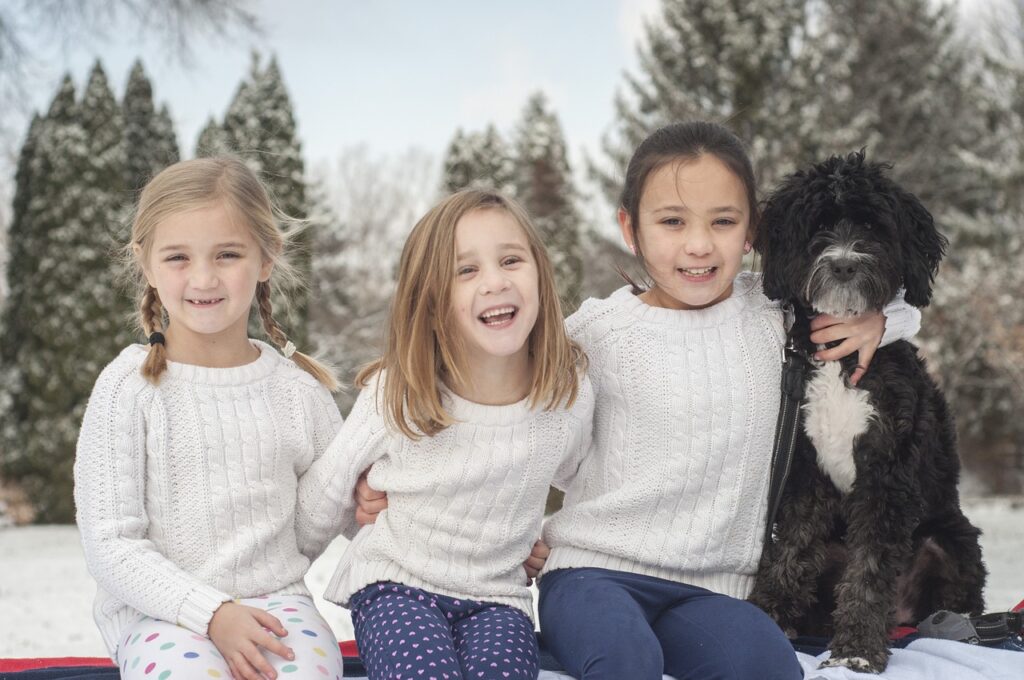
x=902, y=321
x=198, y=608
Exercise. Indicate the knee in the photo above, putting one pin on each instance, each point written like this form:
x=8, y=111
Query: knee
x=761, y=649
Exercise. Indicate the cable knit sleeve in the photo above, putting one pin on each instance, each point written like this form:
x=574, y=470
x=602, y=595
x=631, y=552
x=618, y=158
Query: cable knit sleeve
x=902, y=321
x=580, y=439
x=325, y=504
x=110, y=479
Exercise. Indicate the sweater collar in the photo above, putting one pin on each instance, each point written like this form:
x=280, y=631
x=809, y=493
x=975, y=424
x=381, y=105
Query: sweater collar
x=470, y=412
x=745, y=286
x=268, y=360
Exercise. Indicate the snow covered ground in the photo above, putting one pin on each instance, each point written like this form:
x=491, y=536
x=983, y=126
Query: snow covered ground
x=46, y=594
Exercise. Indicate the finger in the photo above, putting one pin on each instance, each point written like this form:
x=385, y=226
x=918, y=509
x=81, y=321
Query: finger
x=364, y=518
x=374, y=505
x=831, y=334
x=268, y=620
x=541, y=550
x=275, y=646
x=857, y=375
x=261, y=667
x=845, y=348
x=363, y=489
x=824, y=321
x=865, y=356
x=534, y=563
x=529, y=581
x=232, y=671
x=244, y=669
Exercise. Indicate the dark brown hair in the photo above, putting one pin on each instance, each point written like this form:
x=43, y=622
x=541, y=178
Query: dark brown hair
x=685, y=142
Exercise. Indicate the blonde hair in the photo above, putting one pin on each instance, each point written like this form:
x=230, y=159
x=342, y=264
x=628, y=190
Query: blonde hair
x=197, y=183
x=422, y=343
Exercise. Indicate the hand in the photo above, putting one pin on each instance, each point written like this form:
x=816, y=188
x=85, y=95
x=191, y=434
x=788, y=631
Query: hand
x=861, y=334
x=369, y=501
x=535, y=562
x=239, y=632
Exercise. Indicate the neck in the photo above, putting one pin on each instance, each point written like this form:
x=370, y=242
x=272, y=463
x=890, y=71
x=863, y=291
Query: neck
x=495, y=381
x=227, y=349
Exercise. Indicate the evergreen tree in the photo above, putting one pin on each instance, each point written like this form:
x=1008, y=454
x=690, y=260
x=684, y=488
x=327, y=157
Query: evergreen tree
x=543, y=182
x=730, y=61
x=149, y=140
x=213, y=141
x=260, y=126
x=478, y=159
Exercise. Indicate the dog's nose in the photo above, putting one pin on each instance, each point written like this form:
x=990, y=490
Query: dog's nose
x=843, y=270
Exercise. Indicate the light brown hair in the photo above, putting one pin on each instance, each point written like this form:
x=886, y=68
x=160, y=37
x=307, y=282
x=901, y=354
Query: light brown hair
x=422, y=344
x=198, y=183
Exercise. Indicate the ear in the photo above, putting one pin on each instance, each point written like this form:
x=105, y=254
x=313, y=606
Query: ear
x=923, y=247
x=626, y=226
x=266, y=269
x=769, y=242
x=137, y=252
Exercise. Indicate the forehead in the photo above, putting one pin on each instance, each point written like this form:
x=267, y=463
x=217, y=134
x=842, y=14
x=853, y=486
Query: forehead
x=488, y=227
x=703, y=182
x=202, y=226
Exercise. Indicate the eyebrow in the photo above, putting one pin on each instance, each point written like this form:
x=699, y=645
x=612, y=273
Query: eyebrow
x=502, y=246
x=230, y=244
x=683, y=208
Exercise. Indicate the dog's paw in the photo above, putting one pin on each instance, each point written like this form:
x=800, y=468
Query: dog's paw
x=854, y=663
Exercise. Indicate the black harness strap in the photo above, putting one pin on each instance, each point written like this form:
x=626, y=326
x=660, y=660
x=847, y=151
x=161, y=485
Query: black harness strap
x=794, y=376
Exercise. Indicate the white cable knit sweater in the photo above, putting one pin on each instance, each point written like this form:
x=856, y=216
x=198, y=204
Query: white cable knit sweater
x=464, y=506
x=676, y=481
x=186, y=491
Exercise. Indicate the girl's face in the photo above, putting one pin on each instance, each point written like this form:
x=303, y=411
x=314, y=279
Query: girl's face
x=205, y=265
x=694, y=219
x=495, y=296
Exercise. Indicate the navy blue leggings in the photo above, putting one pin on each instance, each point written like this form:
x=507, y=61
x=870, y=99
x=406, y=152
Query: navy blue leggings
x=608, y=625
x=405, y=632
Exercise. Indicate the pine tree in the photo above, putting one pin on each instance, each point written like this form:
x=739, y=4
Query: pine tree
x=543, y=182
x=478, y=159
x=260, y=126
x=729, y=61
x=149, y=140
x=213, y=140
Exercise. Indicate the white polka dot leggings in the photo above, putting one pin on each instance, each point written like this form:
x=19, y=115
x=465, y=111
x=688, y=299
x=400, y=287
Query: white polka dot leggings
x=157, y=650
x=405, y=632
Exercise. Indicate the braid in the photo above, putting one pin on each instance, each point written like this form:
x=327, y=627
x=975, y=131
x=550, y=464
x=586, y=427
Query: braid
x=151, y=313
x=323, y=373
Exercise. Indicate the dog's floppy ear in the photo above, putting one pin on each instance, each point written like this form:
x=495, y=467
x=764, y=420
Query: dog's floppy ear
x=773, y=241
x=923, y=247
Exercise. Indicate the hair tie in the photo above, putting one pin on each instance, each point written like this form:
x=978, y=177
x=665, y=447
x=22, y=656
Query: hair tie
x=288, y=349
x=157, y=338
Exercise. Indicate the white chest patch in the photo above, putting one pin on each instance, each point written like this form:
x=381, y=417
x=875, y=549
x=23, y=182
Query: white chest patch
x=834, y=415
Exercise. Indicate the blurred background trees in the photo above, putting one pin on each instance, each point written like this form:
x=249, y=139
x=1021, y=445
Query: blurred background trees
x=796, y=79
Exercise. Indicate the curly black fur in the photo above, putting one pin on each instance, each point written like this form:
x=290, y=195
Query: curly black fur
x=851, y=560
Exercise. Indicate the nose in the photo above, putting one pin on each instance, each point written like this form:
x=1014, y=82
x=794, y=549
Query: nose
x=698, y=241
x=203, y=275
x=843, y=269
x=494, y=280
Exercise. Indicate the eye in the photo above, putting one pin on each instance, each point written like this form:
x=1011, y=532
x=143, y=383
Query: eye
x=672, y=222
x=467, y=269
x=231, y=255
x=175, y=258
x=511, y=260
x=724, y=222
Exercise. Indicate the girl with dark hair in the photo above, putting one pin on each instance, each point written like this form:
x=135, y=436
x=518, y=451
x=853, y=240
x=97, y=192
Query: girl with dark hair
x=661, y=532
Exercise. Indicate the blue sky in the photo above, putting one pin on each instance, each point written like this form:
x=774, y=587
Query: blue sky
x=391, y=74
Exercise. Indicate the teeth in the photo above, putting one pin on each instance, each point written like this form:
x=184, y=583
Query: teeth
x=696, y=272
x=497, y=312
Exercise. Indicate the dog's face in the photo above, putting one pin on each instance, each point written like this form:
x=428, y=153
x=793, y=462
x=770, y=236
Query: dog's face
x=842, y=238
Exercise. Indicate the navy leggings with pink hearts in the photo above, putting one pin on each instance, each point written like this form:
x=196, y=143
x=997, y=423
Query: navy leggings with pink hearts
x=405, y=632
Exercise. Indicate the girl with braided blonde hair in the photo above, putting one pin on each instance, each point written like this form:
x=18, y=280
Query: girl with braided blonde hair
x=191, y=449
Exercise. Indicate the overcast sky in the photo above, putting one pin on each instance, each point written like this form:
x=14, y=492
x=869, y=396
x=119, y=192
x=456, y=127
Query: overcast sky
x=390, y=74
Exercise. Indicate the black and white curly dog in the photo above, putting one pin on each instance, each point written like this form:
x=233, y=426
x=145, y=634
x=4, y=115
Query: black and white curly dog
x=869, y=532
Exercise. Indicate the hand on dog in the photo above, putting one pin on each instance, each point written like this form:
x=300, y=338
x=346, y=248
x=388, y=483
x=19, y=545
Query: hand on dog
x=369, y=501
x=861, y=334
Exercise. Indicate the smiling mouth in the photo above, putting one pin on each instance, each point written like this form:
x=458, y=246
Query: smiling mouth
x=697, y=272
x=207, y=302
x=498, y=316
